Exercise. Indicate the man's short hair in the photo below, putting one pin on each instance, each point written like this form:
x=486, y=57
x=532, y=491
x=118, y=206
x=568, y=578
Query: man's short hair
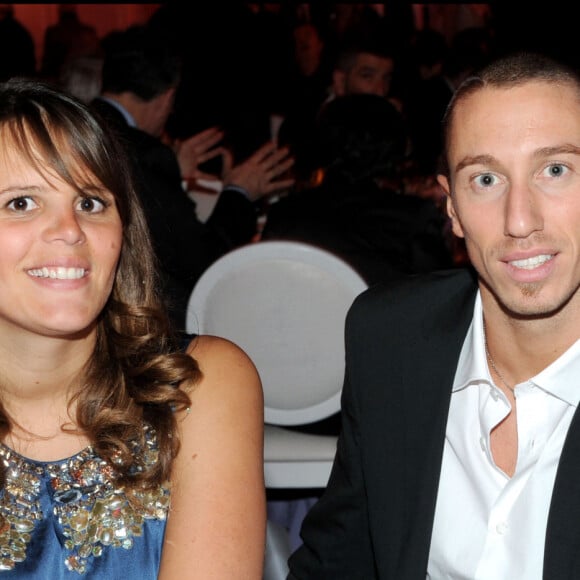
x=138, y=61
x=357, y=44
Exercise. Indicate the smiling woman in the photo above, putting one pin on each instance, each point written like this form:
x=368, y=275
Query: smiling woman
x=115, y=442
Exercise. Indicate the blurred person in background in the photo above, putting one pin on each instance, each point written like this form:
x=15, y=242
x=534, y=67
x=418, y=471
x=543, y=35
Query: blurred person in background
x=141, y=73
x=81, y=76
x=68, y=38
x=358, y=207
x=17, y=48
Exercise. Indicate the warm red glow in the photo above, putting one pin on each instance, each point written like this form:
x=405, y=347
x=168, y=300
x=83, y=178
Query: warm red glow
x=104, y=17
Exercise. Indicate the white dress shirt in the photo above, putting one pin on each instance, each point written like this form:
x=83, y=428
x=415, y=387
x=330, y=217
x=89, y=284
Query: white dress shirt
x=487, y=525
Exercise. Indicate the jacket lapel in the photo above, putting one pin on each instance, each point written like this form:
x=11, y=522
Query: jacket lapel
x=562, y=548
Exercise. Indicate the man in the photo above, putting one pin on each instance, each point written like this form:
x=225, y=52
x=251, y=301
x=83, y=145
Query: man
x=363, y=68
x=140, y=75
x=458, y=454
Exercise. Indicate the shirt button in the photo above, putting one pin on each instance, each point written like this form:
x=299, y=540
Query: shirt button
x=482, y=443
x=501, y=528
x=494, y=394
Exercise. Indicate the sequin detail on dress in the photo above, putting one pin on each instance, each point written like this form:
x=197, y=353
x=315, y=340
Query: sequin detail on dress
x=92, y=512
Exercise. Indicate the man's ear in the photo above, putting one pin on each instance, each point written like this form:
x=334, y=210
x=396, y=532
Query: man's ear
x=451, y=210
x=168, y=97
x=338, y=82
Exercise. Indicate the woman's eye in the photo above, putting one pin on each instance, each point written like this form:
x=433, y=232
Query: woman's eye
x=92, y=205
x=486, y=180
x=22, y=204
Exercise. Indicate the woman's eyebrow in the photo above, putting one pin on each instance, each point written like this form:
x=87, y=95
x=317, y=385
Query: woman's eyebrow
x=20, y=189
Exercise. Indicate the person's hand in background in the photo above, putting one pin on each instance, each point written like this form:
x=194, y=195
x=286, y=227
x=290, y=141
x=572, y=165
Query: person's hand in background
x=262, y=174
x=196, y=150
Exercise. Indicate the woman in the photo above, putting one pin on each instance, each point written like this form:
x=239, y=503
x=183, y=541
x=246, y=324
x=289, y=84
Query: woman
x=124, y=456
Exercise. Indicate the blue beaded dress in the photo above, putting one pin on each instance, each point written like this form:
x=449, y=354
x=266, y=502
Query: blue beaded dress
x=69, y=519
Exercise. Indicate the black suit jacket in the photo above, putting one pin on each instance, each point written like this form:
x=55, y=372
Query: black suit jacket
x=185, y=245
x=375, y=519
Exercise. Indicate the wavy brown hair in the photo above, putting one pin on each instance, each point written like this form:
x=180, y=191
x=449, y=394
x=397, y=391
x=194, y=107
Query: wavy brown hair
x=138, y=365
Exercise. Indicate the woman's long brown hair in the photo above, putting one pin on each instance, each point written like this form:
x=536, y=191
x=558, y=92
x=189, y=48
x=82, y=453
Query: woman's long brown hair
x=138, y=366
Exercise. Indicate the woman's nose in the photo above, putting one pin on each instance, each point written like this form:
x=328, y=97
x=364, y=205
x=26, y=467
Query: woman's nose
x=63, y=225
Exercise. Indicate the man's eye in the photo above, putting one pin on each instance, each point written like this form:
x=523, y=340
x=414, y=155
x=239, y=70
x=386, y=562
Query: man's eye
x=485, y=180
x=555, y=170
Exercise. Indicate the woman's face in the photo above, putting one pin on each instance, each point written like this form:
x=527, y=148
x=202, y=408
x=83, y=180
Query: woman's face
x=59, y=249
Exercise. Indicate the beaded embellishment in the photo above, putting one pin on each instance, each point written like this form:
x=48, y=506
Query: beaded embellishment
x=94, y=513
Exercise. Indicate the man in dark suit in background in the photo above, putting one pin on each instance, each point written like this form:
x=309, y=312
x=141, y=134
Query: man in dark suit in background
x=458, y=454
x=141, y=72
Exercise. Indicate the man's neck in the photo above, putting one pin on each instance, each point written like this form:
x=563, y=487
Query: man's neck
x=149, y=116
x=127, y=106
x=523, y=346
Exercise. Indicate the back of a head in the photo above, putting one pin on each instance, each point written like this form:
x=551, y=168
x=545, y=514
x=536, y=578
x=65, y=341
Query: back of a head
x=429, y=48
x=139, y=61
x=81, y=77
x=360, y=137
x=355, y=43
x=67, y=8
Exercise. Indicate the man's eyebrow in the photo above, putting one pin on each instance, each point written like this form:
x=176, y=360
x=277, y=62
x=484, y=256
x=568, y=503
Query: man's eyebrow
x=475, y=160
x=486, y=159
x=567, y=148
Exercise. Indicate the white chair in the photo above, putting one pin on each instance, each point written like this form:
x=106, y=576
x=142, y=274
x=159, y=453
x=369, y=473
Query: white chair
x=285, y=304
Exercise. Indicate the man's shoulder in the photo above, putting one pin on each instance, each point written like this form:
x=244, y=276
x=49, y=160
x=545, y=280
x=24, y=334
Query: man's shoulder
x=417, y=295
x=438, y=282
x=133, y=137
x=414, y=308
x=108, y=112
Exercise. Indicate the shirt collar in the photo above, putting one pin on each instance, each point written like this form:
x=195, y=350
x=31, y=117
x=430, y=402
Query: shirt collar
x=560, y=378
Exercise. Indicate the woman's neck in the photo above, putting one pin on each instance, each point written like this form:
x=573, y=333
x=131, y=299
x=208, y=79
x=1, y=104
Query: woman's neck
x=37, y=381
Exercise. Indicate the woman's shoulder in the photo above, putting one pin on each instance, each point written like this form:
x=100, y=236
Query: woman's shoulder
x=219, y=465
x=224, y=365
x=206, y=348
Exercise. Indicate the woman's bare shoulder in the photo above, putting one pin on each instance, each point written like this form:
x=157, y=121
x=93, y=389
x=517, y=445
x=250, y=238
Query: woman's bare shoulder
x=210, y=351
x=224, y=365
x=218, y=477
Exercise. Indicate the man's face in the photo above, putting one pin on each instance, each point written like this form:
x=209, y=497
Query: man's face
x=370, y=74
x=308, y=48
x=514, y=194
